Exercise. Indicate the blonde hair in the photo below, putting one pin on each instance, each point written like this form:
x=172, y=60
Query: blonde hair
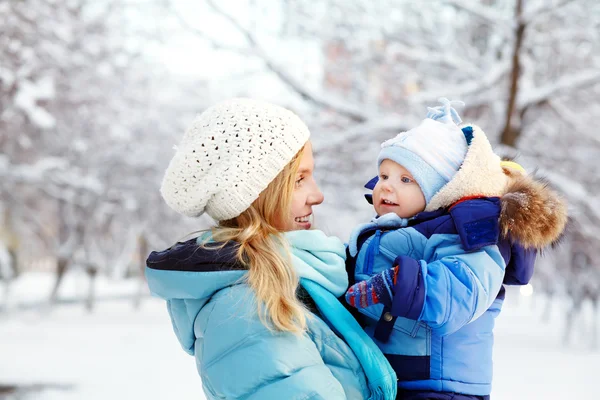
x=263, y=250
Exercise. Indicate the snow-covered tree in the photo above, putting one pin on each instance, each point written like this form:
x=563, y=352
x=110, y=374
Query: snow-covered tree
x=87, y=118
x=84, y=121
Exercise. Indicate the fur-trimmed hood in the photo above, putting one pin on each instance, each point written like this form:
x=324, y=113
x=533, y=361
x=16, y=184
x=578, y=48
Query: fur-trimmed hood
x=480, y=174
x=532, y=214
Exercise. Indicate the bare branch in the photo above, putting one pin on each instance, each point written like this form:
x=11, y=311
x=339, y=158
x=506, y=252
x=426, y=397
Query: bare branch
x=484, y=13
x=567, y=116
x=201, y=34
x=568, y=83
x=341, y=106
x=390, y=123
x=509, y=134
x=530, y=16
x=466, y=89
x=443, y=59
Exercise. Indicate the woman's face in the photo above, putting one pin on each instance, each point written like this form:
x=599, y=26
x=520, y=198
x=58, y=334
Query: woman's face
x=306, y=194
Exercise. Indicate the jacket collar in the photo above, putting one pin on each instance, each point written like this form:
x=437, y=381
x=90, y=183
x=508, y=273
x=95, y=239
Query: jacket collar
x=189, y=256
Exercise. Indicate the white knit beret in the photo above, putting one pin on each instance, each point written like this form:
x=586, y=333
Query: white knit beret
x=229, y=155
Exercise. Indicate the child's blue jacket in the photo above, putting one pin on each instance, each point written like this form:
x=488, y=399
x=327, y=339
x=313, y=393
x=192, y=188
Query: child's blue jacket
x=481, y=230
x=437, y=334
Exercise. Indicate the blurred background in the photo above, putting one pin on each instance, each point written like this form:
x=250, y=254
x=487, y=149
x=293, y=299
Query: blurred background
x=94, y=94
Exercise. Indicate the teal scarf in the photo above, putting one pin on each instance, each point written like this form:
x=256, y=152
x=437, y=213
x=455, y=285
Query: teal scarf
x=320, y=262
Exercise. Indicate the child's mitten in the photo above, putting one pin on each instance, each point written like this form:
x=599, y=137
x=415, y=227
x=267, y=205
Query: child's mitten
x=378, y=289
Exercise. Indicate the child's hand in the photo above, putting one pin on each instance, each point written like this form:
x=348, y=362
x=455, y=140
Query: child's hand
x=377, y=289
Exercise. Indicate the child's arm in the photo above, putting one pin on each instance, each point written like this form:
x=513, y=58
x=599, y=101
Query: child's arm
x=446, y=293
x=520, y=262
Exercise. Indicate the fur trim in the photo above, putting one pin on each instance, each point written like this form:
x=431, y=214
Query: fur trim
x=532, y=213
x=479, y=175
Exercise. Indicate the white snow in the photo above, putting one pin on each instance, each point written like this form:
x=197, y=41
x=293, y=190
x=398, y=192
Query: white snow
x=114, y=352
x=29, y=93
x=117, y=352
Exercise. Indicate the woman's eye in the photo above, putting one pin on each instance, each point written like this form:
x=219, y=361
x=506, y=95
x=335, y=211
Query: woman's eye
x=406, y=179
x=299, y=181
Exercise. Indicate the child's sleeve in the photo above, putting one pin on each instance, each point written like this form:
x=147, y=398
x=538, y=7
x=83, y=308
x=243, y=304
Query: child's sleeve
x=451, y=291
x=520, y=262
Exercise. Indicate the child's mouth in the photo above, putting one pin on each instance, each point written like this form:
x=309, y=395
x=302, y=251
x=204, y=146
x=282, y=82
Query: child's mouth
x=388, y=203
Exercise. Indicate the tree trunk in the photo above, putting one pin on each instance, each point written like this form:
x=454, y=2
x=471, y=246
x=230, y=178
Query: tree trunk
x=61, y=268
x=142, y=254
x=92, y=271
x=510, y=134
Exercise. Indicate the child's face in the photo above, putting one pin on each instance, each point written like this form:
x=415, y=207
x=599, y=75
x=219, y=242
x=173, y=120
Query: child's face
x=306, y=194
x=397, y=191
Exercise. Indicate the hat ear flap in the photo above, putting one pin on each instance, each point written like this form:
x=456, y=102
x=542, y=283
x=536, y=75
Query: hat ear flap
x=468, y=132
x=371, y=184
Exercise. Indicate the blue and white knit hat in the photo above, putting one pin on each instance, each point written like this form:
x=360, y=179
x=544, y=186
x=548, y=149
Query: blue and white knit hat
x=433, y=151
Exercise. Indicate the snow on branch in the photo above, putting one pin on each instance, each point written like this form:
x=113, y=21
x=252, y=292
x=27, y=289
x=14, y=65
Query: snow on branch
x=391, y=123
x=484, y=13
x=444, y=59
x=327, y=101
x=48, y=169
x=543, y=10
x=566, y=83
x=563, y=112
x=465, y=89
x=28, y=95
x=203, y=35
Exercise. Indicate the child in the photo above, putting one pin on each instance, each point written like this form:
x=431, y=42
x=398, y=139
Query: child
x=451, y=220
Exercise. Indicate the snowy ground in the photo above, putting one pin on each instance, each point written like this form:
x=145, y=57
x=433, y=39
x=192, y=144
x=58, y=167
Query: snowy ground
x=119, y=353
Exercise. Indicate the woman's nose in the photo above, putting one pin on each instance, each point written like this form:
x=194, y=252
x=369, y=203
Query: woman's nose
x=316, y=196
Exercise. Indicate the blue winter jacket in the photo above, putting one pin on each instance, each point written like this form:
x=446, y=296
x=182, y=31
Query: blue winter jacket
x=214, y=316
x=437, y=333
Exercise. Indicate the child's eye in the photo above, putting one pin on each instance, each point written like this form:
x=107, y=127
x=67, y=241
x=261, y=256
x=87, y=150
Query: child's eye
x=384, y=177
x=406, y=179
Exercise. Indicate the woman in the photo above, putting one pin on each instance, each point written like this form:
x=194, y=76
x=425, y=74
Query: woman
x=255, y=298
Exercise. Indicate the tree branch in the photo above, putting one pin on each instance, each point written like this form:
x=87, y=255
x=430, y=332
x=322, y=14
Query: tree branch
x=574, y=121
x=443, y=59
x=510, y=134
x=201, y=34
x=465, y=89
x=566, y=83
x=530, y=16
x=390, y=123
x=484, y=13
x=340, y=106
